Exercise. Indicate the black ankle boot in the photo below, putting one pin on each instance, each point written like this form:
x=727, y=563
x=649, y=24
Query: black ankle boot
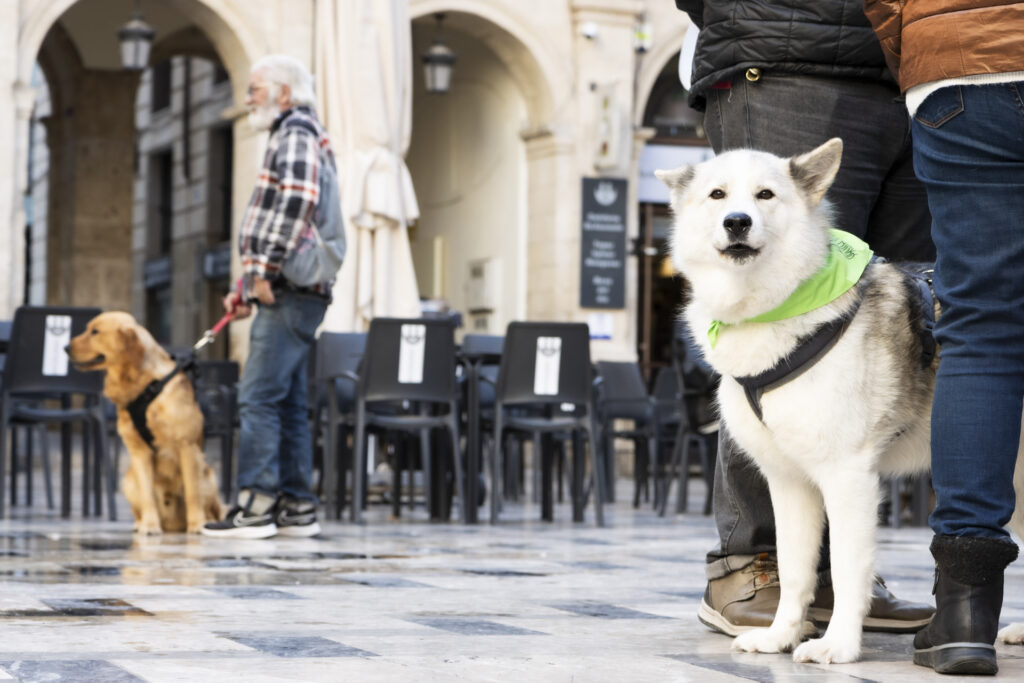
x=968, y=597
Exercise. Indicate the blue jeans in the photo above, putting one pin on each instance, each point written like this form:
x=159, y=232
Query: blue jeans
x=876, y=196
x=969, y=153
x=275, y=447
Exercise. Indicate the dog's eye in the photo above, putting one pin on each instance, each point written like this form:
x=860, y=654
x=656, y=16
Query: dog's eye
x=717, y=194
x=95, y=332
x=765, y=194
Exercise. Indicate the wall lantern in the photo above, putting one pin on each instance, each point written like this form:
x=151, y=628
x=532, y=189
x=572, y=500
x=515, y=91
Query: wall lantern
x=136, y=38
x=438, y=62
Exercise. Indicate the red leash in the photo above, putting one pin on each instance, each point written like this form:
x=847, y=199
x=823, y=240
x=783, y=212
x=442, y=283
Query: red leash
x=212, y=333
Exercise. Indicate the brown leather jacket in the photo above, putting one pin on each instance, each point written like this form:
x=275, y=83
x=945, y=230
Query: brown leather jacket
x=931, y=40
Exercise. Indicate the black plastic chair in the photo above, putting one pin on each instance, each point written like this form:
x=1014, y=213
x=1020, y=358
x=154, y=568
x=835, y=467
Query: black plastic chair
x=337, y=356
x=548, y=364
x=667, y=415
x=480, y=355
x=698, y=426
x=37, y=367
x=406, y=360
x=216, y=389
x=622, y=395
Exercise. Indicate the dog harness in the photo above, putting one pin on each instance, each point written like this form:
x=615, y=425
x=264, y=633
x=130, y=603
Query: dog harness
x=813, y=347
x=138, y=406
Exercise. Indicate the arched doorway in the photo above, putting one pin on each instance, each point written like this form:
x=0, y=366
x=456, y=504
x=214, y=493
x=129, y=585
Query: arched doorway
x=478, y=157
x=139, y=177
x=677, y=137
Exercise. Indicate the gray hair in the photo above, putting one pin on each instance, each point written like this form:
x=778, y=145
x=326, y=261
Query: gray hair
x=286, y=70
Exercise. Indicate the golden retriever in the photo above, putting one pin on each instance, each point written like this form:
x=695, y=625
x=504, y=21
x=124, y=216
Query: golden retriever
x=170, y=487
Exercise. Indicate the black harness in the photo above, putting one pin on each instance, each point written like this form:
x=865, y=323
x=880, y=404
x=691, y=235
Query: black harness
x=137, y=408
x=811, y=348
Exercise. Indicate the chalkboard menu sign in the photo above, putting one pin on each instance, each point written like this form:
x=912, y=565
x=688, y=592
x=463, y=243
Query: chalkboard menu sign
x=603, y=257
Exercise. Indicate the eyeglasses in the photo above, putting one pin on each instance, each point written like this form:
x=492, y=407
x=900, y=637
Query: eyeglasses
x=253, y=88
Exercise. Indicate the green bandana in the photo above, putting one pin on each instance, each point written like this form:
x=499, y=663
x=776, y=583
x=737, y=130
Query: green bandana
x=848, y=256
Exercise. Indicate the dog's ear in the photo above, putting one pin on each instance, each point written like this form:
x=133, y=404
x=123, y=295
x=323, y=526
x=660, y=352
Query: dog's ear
x=815, y=171
x=677, y=179
x=132, y=347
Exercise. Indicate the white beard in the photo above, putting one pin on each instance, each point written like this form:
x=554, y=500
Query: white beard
x=261, y=118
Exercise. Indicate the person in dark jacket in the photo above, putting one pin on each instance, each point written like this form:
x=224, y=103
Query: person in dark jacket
x=784, y=76
x=961, y=65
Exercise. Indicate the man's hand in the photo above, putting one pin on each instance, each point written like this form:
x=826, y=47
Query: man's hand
x=233, y=305
x=261, y=290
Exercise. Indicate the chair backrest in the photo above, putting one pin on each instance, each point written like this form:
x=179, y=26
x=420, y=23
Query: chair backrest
x=5, y=335
x=338, y=352
x=486, y=345
x=334, y=354
x=545, y=362
x=621, y=391
x=409, y=359
x=697, y=383
x=216, y=391
x=666, y=385
x=36, y=360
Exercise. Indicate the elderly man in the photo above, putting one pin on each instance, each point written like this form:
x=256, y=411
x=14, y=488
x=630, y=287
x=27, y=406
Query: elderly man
x=275, y=460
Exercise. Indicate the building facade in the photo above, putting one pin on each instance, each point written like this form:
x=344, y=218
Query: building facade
x=523, y=171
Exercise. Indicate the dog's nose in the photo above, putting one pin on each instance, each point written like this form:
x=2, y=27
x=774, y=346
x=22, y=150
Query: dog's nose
x=737, y=224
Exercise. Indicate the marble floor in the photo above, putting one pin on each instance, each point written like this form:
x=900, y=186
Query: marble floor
x=408, y=600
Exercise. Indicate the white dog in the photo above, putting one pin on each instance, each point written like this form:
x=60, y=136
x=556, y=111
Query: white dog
x=751, y=228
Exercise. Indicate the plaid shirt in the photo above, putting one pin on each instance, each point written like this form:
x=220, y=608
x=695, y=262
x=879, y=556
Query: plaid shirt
x=283, y=203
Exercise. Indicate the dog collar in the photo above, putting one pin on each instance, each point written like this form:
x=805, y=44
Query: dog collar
x=848, y=256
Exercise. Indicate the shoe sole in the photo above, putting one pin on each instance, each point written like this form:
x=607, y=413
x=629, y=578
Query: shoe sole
x=299, y=530
x=821, y=617
x=716, y=622
x=959, y=658
x=247, y=532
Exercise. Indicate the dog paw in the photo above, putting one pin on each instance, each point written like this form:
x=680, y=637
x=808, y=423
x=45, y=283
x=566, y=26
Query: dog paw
x=1012, y=634
x=827, y=651
x=768, y=640
x=148, y=528
x=195, y=527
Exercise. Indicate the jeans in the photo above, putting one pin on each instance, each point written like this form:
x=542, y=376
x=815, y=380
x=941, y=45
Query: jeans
x=275, y=446
x=876, y=197
x=969, y=153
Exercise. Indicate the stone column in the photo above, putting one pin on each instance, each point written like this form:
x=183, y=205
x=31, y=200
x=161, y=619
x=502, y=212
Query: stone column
x=92, y=158
x=606, y=73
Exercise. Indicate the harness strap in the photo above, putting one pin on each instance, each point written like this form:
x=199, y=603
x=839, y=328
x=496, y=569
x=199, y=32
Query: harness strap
x=809, y=350
x=138, y=406
x=928, y=346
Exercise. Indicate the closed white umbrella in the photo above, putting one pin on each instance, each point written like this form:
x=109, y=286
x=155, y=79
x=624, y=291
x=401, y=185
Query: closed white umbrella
x=363, y=64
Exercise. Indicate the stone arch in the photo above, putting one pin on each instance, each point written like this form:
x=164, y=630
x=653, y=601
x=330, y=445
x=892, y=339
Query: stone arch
x=539, y=72
x=224, y=27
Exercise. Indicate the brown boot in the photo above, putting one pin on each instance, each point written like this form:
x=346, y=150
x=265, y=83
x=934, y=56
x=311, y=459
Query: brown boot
x=887, y=612
x=744, y=599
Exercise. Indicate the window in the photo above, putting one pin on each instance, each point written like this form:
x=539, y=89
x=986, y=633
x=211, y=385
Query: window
x=222, y=150
x=160, y=200
x=160, y=96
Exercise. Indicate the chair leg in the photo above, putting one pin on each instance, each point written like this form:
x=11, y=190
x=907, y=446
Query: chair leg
x=358, y=464
x=674, y=463
x=14, y=465
x=428, y=472
x=3, y=452
x=398, y=448
x=460, y=475
x=542, y=461
x=99, y=464
x=328, y=479
x=496, y=464
x=44, y=449
x=597, y=469
x=578, y=471
x=109, y=465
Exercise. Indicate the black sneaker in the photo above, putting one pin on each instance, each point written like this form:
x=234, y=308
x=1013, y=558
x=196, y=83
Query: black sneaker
x=296, y=518
x=245, y=521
